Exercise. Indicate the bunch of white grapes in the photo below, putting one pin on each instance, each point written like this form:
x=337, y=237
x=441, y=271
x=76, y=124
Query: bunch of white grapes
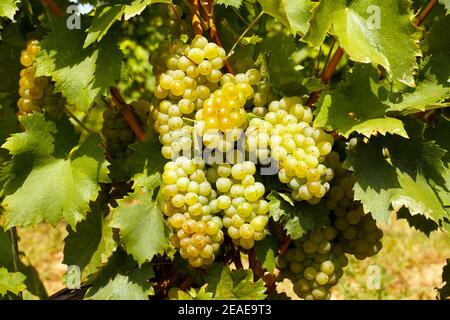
x=358, y=232
x=190, y=207
x=245, y=212
x=314, y=263
x=36, y=93
x=286, y=135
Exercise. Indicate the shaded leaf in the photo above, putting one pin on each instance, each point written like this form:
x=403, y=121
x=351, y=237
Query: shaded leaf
x=229, y=284
x=298, y=219
x=121, y=279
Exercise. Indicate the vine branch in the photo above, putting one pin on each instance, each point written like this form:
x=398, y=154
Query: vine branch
x=15, y=250
x=425, y=12
x=127, y=113
x=53, y=7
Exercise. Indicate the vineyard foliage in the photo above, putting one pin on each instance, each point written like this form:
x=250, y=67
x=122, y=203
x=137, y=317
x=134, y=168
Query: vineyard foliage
x=115, y=117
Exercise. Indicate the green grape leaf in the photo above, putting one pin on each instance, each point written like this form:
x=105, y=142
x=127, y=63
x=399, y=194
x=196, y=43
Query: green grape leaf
x=446, y=3
x=103, y=20
x=298, y=14
x=266, y=250
x=253, y=39
x=49, y=179
x=137, y=6
x=81, y=75
x=355, y=106
x=276, y=9
x=8, y=8
x=11, y=282
x=371, y=31
x=298, y=219
x=406, y=172
x=92, y=243
x=193, y=294
x=121, y=279
x=141, y=223
x=229, y=284
x=280, y=49
x=293, y=14
x=232, y=3
x=433, y=85
x=322, y=20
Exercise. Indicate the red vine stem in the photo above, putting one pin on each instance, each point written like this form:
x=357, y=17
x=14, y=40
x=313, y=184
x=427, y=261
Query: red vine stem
x=209, y=15
x=196, y=22
x=331, y=67
x=127, y=113
x=425, y=12
x=53, y=7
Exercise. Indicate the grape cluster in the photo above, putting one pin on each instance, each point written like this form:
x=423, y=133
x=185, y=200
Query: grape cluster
x=175, y=24
x=224, y=110
x=314, y=263
x=287, y=136
x=190, y=208
x=116, y=132
x=36, y=92
x=240, y=199
x=186, y=75
x=357, y=232
x=175, y=136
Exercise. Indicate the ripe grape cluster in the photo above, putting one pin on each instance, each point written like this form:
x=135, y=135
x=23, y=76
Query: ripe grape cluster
x=190, y=206
x=36, y=93
x=241, y=199
x=314, y=263
x=116, y=132
x=286, y=135
x=357, y=231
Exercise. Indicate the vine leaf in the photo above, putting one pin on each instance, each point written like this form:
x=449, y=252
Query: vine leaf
x=11, y=282
x=298, y=219
x=49, y=179
x=229, y=284
x=193, y=294
x=355, y=106
x=141, y=222
x=371, y=31
x=293, y=14
x=91, y=244
x=433, y=85
x=103, y=20
x=232, y=3
x=446, y=3
x=81, y=75
x=121, y=279
x=407, y=171
x=137, y=6
x=266, y=250
x=8, y=8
